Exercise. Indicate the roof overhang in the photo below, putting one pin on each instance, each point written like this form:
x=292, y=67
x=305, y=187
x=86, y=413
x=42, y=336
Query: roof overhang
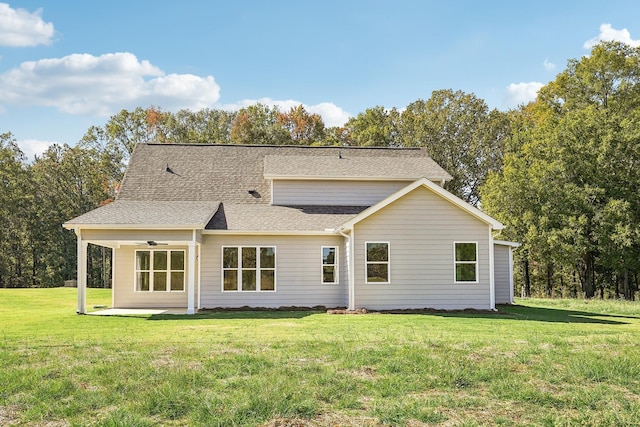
x=507, y=243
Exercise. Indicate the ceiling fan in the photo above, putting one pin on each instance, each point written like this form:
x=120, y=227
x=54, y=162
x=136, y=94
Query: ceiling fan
x=151, y=243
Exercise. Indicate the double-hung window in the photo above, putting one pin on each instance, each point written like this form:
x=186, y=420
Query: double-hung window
x=248, y=268
x=377, y=262
x=466, y=262
x=329, y=264
x=159, y=270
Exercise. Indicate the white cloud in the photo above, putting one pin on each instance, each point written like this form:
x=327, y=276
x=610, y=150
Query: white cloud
x=21, y=28
x=33, y=147
x=549, y=65
x=103, y=85
x=521, y=93
x=331, y=114
x=608, y=33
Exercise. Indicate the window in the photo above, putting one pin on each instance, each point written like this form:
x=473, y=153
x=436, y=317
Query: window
x=466, y=262
x=159, y=270
x=377, y=262
x=248, y=268
x=329, y=264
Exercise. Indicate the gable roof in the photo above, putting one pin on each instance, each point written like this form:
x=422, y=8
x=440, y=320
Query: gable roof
x=496, y=225
x=148, y=214
x=227, y=173
x=347, y=166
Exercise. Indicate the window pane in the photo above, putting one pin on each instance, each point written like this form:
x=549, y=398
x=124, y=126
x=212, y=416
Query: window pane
x=230, y=257
x=248, y=280
x=248, y=257
x=329, y=256
x=159, y=281
x=377, y=272
x=177, y=260
x=465, y=272
x=160, y=260
x=377, y=252
x=328, y=274
x=230, y=280
x=177, y=281
x=268, y=257
x=143, y=260
x=142, y=279
x=267, y=280
x=465, y=251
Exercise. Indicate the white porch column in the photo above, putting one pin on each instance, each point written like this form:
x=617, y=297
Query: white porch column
x=82, y=274
x=191, y=277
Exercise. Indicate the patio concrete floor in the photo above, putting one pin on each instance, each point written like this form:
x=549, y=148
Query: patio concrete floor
x=137, y=311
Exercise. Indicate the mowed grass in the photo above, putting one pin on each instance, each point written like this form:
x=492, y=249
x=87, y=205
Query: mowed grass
x=556, y=362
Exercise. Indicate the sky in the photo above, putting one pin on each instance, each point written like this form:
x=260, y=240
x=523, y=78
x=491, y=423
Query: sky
x=68, y=65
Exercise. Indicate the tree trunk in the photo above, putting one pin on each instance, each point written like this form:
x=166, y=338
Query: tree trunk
x=588, y=275
x=549, y=290
x=625, y=285
x=527, y=278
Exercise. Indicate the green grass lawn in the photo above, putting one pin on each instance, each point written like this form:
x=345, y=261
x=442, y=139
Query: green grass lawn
x=556, y=362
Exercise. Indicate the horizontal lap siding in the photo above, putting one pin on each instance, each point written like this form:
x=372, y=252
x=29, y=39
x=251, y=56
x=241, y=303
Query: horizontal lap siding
x=298, y=273
x=124, y=294
x=421, y=228
x=502, y=274
x=333, y=193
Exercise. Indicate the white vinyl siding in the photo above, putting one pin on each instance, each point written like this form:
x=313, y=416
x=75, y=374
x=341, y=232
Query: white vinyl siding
x=299, y=283
x=421, y=228
x=124, y=294
x=333, y=193
x=503, y=274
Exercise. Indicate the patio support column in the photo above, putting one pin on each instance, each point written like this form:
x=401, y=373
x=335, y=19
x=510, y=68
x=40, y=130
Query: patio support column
x=191, y=277
x=82, y=274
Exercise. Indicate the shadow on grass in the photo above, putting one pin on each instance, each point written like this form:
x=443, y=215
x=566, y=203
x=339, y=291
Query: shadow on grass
x=237, y=314
x=544, y=314
x=506, y=312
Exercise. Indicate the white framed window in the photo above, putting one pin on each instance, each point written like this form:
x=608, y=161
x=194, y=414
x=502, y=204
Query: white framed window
x=159, y=270
x=329, y=264
x=465, y=262
x=377, y=262
x=248, y=268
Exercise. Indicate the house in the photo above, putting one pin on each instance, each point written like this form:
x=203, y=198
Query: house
x=208, y=226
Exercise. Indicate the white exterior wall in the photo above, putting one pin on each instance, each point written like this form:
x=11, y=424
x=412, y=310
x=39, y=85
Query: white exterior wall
x=421, y=228
x=503, y=274
x=333, y=193
x=124, y=293
x=298, y=273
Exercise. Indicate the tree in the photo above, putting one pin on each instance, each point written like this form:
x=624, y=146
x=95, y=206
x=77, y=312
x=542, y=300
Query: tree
x=459, y=133
x=258, y=124
x=304, y=128
x=375, y=127
x=201, y=127
x=571, y=192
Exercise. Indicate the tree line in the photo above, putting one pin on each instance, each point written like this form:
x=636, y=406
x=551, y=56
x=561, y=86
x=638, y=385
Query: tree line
x=561, y=172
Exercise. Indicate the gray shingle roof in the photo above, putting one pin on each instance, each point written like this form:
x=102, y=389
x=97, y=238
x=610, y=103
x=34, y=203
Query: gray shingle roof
x=183, y=185
x=158, y=213
x=281, y=218
x=227, y=172
x=346, y=165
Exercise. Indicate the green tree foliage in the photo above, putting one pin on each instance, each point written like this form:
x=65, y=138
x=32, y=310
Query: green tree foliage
x=571, y=192
x=460, y=134
x=375, y=127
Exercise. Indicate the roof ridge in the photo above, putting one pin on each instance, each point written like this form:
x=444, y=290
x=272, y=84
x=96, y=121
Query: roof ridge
x=313, y=147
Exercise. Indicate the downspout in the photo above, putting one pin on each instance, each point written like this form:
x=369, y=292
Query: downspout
x=350, y=268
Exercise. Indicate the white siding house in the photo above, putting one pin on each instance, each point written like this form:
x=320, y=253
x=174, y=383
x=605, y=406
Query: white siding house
x=212, y=226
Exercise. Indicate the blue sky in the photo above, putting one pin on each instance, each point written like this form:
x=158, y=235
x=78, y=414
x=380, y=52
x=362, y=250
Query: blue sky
x=68, y=65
